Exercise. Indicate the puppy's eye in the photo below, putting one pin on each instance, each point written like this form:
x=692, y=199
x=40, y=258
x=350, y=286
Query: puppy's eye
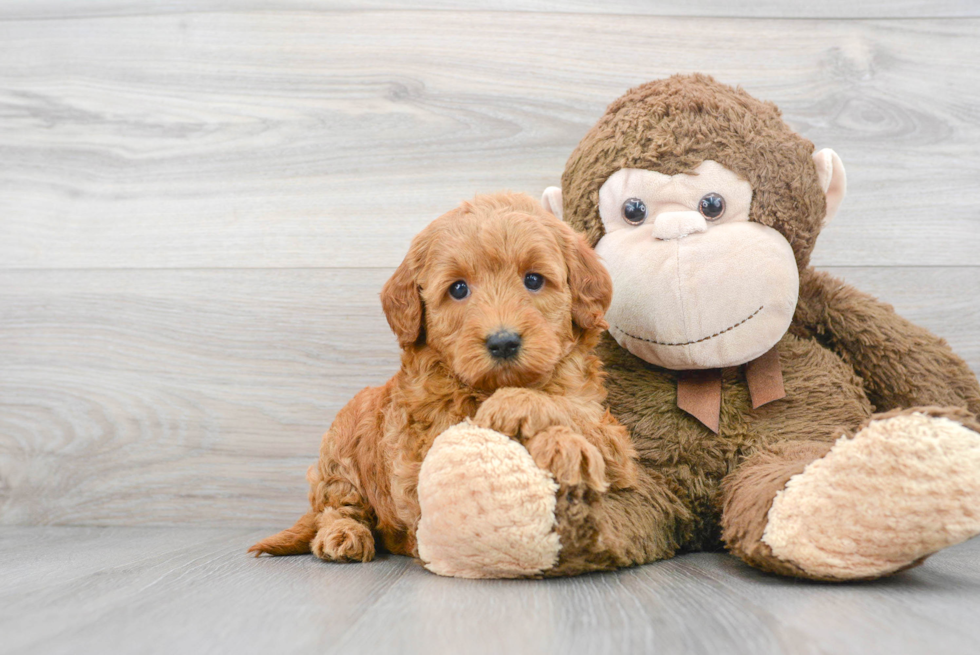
x=459, y=289
x=712, y=206
x=634, y=211
x=533, y=281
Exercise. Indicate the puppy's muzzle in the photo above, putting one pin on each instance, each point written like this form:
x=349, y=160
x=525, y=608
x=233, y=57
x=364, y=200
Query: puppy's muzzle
x=504, y=345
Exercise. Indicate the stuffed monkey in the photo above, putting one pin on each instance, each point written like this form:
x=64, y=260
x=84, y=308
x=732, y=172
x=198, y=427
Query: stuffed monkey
x=777, y=411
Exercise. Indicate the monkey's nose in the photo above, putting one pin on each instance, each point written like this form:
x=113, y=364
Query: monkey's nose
x=504, y=344
x=676, y=225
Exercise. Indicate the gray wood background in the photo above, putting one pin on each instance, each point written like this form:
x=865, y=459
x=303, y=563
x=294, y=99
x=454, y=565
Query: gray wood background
x=199, y=202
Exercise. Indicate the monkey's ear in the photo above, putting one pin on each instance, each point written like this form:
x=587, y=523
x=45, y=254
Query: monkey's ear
x=551, y=199
x=589, y=281
x=833, y=181
x=401, y=298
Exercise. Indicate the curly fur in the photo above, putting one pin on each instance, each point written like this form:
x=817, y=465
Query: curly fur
x=363, y=489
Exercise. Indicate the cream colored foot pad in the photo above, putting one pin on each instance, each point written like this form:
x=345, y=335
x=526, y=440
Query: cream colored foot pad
x=487, y=510
x=901, y=489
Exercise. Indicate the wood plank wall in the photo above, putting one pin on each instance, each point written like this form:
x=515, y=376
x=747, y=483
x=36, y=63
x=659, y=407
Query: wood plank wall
x=199, y=202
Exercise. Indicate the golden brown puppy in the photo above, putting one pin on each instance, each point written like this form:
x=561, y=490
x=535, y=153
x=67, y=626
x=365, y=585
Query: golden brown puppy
x=497, y=308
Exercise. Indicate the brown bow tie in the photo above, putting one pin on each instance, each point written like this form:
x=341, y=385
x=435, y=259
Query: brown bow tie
x=699, y=392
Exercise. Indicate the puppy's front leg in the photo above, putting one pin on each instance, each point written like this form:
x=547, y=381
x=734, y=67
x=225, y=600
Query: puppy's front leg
x=548, y=427
x=618, y=453
x=569, y=457
x=522, y=413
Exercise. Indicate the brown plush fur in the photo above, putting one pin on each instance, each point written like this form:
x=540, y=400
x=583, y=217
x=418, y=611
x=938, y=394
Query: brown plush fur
x=901, y=364
x=845, y=356
x=748, y=496
x=670, y=126
x=549, y=397
x=748, y=493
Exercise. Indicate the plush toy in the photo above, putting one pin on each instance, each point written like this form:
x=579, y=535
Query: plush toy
x=776, y=410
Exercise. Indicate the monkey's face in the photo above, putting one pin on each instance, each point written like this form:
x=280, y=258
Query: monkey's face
x=695, y=283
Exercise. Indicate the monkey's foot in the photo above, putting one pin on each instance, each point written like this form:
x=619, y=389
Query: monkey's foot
x=487, y=510
x=902, y=488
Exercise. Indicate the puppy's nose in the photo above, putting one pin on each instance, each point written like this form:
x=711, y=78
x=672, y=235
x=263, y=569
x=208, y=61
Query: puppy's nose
x=504, y=344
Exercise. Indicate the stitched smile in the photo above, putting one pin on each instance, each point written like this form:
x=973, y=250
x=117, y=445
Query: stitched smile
x=686, y=343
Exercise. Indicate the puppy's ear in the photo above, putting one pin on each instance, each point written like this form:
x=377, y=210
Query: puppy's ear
x=401, y=297
x=589, y=280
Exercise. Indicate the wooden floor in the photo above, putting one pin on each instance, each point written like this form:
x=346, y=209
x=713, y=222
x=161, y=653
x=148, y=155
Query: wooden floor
x=200, y=201
x=167, y=590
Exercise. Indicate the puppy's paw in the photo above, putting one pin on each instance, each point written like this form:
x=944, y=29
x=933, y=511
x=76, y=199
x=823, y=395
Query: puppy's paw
x=520, y=413
x=569, y=457
x=344, y=540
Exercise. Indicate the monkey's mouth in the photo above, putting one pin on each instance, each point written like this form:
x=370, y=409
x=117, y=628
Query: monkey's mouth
x=686, y=343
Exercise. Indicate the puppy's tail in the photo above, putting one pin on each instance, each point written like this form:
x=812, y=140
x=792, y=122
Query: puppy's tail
x=294, y=541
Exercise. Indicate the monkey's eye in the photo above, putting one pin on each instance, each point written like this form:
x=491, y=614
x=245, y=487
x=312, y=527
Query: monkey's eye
x=459, y=289
x=533, y=281
x=712, y=206
x=634, y=211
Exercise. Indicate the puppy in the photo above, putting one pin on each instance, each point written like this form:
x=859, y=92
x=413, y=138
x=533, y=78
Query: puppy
x=497, y=308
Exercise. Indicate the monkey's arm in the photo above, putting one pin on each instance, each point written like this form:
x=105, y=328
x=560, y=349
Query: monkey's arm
x=902, y=364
